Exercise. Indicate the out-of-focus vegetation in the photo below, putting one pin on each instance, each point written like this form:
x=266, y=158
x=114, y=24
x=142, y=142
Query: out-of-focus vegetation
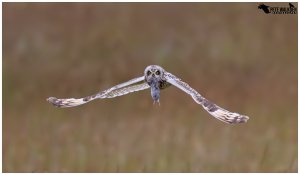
x=233, y=53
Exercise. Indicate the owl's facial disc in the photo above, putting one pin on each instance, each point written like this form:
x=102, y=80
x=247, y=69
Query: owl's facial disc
x=153, y=70
x=153, y=73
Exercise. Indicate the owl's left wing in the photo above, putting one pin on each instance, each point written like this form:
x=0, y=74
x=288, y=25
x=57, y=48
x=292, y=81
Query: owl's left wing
x=136, y=84
x=216, y=111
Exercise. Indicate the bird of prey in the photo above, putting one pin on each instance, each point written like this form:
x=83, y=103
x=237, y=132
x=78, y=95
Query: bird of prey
x=291, y=5
x=157, y=79
x=264, y=7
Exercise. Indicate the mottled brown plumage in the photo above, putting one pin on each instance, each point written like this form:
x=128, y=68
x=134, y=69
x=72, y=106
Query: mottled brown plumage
x=155, y=78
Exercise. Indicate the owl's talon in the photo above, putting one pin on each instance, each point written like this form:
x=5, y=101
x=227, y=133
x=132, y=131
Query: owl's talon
x=154, y=102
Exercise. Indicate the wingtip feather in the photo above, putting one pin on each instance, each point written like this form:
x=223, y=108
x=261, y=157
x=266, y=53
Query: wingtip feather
x=229, y=117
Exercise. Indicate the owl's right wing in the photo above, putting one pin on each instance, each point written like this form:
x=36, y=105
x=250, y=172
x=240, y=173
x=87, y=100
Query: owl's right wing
x=214, y=110
x=136, y=84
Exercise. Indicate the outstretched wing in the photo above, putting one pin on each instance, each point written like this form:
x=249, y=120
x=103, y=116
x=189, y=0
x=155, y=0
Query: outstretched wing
x=136, y=84
x=213, y=109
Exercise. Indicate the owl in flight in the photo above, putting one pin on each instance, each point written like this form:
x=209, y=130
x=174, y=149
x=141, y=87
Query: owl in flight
x=155, y=78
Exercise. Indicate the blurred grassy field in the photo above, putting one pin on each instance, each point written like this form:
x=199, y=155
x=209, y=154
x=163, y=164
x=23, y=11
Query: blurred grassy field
x=233, y=53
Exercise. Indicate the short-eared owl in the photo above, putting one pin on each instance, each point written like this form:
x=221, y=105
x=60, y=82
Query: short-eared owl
x=155, y=78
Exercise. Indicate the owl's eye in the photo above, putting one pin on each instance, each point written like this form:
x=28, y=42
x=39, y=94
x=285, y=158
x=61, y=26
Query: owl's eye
x=148, y=72
x=157, y=72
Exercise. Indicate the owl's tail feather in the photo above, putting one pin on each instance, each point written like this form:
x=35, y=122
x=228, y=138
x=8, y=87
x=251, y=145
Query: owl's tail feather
x=69, y=102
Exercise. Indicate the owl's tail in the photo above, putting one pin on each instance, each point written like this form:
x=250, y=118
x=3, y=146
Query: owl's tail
x=69, y=102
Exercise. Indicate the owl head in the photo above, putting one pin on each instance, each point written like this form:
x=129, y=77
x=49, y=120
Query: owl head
x=154, y=72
